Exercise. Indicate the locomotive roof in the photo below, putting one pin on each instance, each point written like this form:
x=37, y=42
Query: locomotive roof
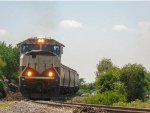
x=69, y=68
x=32, y=40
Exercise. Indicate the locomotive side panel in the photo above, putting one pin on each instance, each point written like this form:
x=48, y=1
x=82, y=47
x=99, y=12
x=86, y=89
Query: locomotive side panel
x=76, y=80
x=69, y=77
x=62, y=76
x=66, y=77
x=72, y=78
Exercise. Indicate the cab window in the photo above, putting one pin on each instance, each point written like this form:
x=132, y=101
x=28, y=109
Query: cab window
x=52, y=48
x=28, y=47
x=56, y=49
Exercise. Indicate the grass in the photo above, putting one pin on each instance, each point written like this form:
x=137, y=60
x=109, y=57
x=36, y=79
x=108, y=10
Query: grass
x=79, y=99
x=4, y=105
x=136, y=104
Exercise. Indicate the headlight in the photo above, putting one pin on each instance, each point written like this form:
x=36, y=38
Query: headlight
x=40, y=40
x=29, y=73
x=50, y=74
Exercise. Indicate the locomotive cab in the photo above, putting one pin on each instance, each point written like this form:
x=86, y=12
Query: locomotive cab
x=44, y=44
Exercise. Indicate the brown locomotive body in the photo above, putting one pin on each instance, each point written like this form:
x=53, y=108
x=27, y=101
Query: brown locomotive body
x=42, y=74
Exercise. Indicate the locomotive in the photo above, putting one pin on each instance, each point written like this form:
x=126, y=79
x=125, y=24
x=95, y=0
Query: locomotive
x=42, y=75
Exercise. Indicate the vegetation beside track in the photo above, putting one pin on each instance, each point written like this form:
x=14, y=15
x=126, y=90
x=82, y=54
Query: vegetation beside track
x=9, y=68
x=136, y=103
x=6, y=104
x=118, y=86
x=9, y=60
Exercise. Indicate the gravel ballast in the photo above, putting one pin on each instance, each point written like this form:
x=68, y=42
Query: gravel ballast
x=29, y=107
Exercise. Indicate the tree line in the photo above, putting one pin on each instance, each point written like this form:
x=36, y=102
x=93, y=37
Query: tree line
x=114, y=84
x=9, y=62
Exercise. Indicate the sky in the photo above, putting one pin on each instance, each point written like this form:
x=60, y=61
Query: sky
x=89, y=30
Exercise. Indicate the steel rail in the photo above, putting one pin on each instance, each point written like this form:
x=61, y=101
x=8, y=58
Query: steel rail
x=114, y=107
x=104, y=108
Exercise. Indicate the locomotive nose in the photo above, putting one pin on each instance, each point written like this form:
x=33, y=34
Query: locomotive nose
x=39, y=86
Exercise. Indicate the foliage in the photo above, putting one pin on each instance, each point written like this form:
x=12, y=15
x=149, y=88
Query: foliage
x=6, y=104
x=79, y=99
x=133, y=77
x=106, y=98
x=2, y=85
x=136, y=103
x=2, y=64
x=147, y=79
x=119, y=87
x=10, y=55
x=81, y=81
x=85, y=87
x=132, y=80
x=106, y=81
x=104, y=66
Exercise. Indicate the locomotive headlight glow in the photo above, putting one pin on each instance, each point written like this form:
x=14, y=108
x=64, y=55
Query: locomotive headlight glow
x=50, y=74
x=29, y=73
x=41, y=40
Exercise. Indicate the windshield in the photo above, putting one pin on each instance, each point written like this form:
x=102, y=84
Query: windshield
x=52, y=48
x=47, y=47
x=29, y=47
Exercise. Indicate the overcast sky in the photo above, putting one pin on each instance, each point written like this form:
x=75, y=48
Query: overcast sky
x=89, y=30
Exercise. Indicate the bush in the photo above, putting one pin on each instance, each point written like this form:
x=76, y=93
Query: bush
x=133, y=77
x=79, y=99
x=9, y=59
x=136, y=103
x=106, y=98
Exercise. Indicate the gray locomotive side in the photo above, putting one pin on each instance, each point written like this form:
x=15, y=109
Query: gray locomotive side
x=69, y=80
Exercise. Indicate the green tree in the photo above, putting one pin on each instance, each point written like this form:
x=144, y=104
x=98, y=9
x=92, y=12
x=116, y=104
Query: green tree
x=2, y=64
x=109, y=81
x=10, y=55
x=2, y=84
x=147, y=79
x=81, y=81
x=133, y=77
x=85, y=87
x=107, y=76
x=104, y=66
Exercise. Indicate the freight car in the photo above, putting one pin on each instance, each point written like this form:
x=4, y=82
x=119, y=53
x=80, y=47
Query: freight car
x=42, y=75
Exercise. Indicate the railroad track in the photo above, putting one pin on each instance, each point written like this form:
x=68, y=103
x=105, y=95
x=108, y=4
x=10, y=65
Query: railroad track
x=95, y=108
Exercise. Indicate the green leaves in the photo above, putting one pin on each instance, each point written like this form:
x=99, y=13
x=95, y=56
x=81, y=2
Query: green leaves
x=10, y=55
x=85, y=87
x=106, y=98
x=105, y=65
x=130, y=80
x=133, y=76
